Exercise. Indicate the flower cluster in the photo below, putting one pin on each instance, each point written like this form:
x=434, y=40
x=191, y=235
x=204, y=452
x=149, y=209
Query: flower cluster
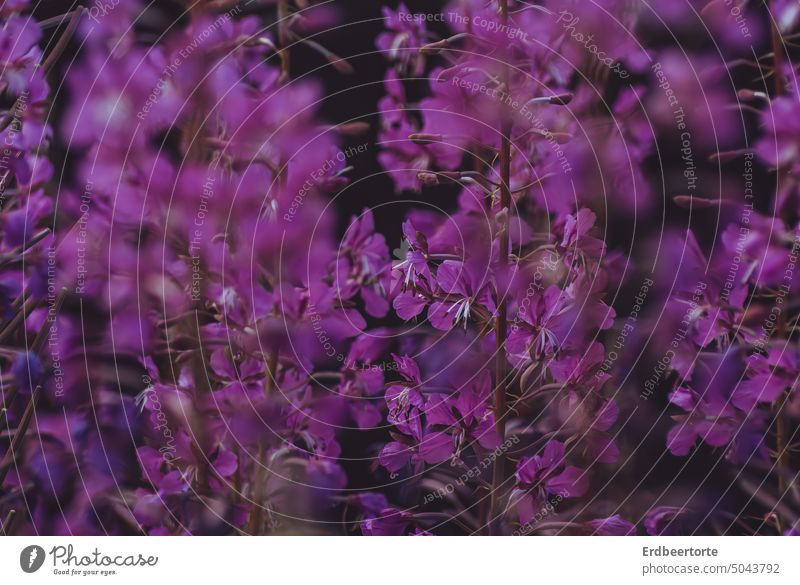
x=514, y=280
x=195, y=340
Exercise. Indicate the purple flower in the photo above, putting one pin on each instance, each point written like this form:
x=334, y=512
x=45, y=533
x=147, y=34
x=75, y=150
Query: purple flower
x=614, y=525
x=768, y=377
x=578, y=242
x=462, y=287
x=388, y=522
x=465, y=415
x=363, y=265
x=590, y=417
x=405, y=399
x=710, y=413
x=401, y=156
x=361, y=381
x=401, y=45
x=28, y=371
x=786, y=13
x=416, y=446
x=545, y=474
x=19, y=53
x=554, y=320
x=764, y=247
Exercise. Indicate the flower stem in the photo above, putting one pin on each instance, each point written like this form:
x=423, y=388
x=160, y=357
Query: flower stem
x=777, y=55
x=11, y=457
x=63, y=41
x=781, y=429
x=283, y=39
x=5, y=525
x=501, y=320
x=272, y=371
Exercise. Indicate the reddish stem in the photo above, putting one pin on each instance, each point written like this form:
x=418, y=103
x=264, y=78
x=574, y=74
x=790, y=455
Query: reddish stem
x=781, y=430
x=501, y=319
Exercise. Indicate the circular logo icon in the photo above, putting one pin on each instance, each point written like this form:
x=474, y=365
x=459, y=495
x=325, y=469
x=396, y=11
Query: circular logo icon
x=31, y=558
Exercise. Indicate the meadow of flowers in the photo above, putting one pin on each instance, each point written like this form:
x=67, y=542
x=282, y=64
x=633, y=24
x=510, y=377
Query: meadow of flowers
x=493, y=267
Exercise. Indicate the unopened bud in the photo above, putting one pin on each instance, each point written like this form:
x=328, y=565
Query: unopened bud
x=433, y=48
x=353, y=128
x=422, y=138
x=341, y=65
x=727, y=156
x=689, y=201
x=748, y=95
x=427, y=179
x=561, y=99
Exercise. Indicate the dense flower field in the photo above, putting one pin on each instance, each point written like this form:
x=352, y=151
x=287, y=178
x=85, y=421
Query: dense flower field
x=471, y=267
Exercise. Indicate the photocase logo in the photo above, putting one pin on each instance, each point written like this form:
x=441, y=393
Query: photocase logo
x=31, y=558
